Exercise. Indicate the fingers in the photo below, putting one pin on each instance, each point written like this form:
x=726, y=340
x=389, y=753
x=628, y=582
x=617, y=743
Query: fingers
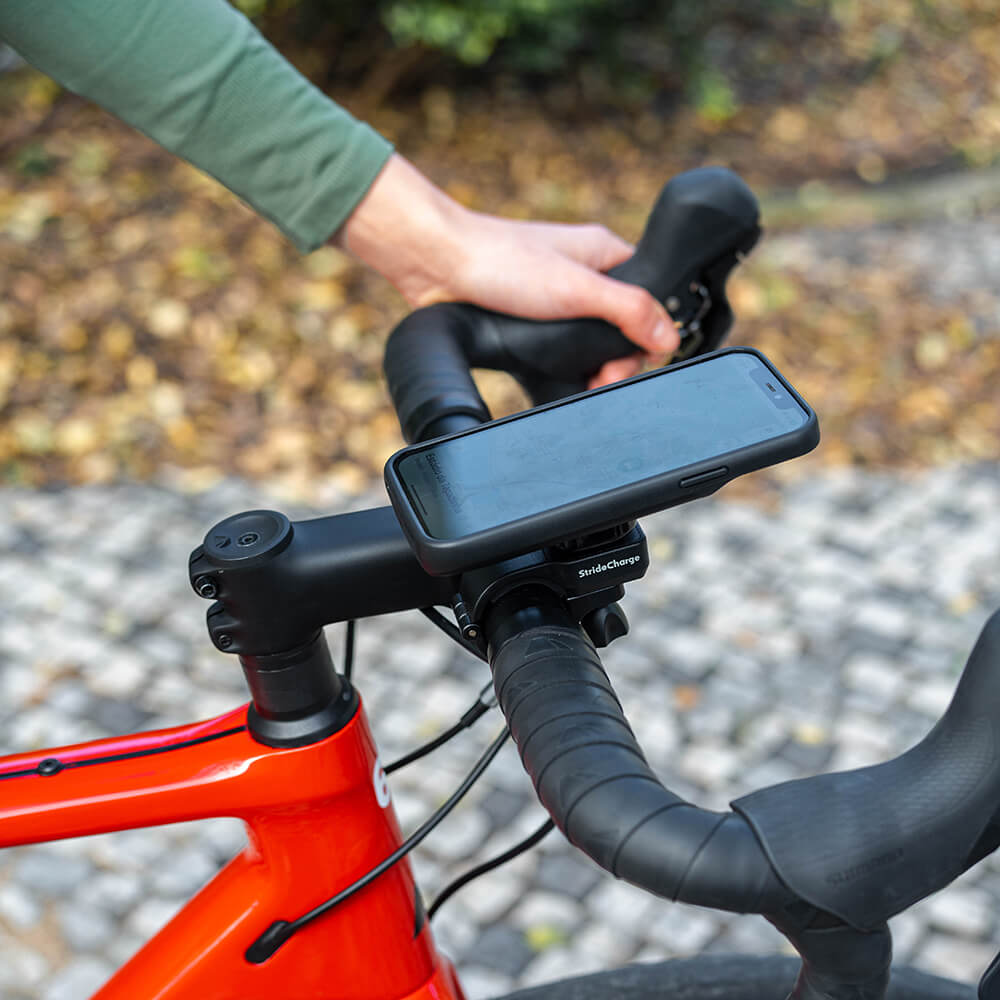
x=551, y=271
x=592, y=245
x=615, y=371
x=632, y=309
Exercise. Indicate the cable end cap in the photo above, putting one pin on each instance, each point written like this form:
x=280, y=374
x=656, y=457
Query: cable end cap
x=269, y=942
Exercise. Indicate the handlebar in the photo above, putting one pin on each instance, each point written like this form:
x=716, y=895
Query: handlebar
x=592, y=777
x=826, y=859
x=868, y=843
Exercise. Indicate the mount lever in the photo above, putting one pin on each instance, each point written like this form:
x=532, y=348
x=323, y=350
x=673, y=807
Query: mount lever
x=604, y=625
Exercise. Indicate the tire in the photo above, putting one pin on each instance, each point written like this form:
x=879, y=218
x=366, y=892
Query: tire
x=723, y=977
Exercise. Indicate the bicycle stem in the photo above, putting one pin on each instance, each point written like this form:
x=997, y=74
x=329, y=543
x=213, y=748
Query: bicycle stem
x=276, y=583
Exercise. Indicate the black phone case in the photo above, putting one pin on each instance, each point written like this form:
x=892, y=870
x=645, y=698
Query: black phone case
x=443, y=557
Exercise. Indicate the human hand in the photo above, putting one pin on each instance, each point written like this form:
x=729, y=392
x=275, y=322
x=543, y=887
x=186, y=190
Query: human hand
x=434, y=250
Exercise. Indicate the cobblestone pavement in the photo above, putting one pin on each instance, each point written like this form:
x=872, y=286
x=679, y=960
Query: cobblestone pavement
x=764, y=646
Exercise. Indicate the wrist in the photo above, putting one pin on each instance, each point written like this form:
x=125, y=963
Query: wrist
x=408, y=230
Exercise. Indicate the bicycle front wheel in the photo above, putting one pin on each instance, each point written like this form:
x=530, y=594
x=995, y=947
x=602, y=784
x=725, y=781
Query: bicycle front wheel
x=723, y=977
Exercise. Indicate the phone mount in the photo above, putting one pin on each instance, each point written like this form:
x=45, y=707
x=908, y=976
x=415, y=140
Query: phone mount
x=589, y=573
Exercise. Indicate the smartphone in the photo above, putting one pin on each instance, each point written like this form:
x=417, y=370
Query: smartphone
x=596, y=459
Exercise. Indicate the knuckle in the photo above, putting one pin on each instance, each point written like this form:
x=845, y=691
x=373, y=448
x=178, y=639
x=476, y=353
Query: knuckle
x=598, y=233
x=568, y=298
x=605, y=246
x=639, y=311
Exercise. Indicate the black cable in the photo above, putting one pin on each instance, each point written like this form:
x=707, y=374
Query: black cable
x=451, y=630
x=349, y=649
x=482, y=705
x=281, y=930
x=477, y=711
x=426, y=748
x=487, y=866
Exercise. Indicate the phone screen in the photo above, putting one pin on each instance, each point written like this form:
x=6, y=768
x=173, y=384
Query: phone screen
x=545, y=459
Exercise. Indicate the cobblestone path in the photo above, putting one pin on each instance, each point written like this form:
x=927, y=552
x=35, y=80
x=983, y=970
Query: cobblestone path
x=764, y=646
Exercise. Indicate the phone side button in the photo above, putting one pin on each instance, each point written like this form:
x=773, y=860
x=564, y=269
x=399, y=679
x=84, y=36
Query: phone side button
x=704, y=477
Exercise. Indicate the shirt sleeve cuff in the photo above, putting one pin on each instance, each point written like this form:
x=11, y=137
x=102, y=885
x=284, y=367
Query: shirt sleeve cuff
x=340, y=189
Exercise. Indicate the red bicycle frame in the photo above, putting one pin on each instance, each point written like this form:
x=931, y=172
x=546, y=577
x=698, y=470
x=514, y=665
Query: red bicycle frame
x=318, y=817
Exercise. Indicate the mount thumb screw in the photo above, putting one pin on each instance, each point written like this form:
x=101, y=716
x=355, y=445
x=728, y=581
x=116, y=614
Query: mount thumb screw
x=205, y=587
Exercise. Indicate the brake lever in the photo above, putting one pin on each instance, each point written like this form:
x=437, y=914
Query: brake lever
x=703, y=314
x=704, y=225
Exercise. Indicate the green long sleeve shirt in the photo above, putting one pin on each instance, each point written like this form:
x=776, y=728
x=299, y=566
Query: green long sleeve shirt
x=196, y=76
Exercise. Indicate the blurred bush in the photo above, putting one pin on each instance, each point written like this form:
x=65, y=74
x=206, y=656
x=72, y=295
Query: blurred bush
x=633, y=47
x=714, y=55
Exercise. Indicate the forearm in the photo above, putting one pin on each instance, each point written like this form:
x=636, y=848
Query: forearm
x=198, y=78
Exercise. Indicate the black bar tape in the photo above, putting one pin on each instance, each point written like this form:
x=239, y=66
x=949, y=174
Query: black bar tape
x=868, y=843
x=590, y=774
x=427, y=368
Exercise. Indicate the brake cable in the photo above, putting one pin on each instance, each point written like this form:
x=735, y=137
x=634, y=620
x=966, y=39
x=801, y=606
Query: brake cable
x=349, y=649
x=453, y=632
x=486, y=700
x=475, y=712
x=487, y=866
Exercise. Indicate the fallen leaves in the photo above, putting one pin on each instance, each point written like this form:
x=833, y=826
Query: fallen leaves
x=896, y=378
x=150, y=325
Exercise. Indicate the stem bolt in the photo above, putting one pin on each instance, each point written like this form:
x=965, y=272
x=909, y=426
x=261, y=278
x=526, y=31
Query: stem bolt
x=224, y=641
x=205, y=587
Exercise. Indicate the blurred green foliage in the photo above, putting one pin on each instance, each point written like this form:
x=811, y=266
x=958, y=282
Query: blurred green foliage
x=540, y=32
x=33, y=160
x=636, y=46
